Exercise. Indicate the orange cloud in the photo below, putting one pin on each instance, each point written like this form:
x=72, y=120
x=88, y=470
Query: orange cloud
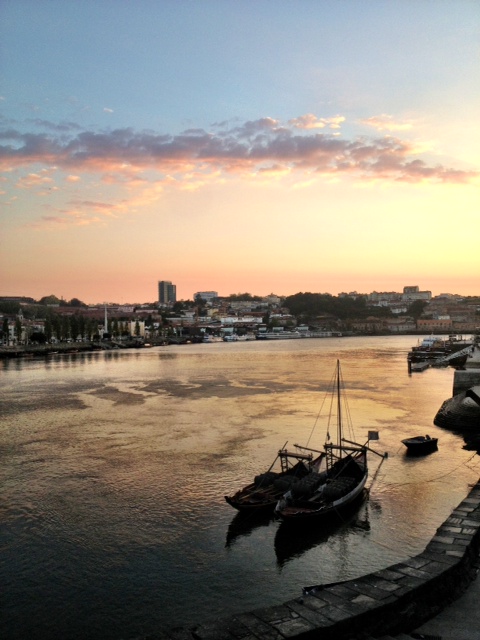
x=33, y=180
x=386, y=123
x=310, y=121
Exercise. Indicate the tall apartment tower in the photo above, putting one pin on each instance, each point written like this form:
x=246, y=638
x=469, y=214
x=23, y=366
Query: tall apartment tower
x=167, y=292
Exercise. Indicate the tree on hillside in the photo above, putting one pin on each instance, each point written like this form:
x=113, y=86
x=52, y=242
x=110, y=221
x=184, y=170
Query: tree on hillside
x=242, y=297
x=31, y=311
x=90, y=328
x=311, y=305
x=75, y=302
x=48, y=328
x=38, y=337
x=415, y=310
x=65, y=327
x=50, y=300
x=81, y=326
x=18, y=329
x=9, y=306
x=178, y=306
x=5, y=331
x=74, y=326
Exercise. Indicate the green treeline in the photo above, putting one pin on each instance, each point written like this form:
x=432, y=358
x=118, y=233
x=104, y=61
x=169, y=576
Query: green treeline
x=313, y=305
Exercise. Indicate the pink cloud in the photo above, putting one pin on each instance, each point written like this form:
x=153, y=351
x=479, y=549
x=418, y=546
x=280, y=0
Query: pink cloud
x=245, y=149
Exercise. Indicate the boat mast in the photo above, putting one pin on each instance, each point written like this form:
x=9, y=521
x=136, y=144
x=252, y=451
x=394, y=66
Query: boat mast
x=339, y=410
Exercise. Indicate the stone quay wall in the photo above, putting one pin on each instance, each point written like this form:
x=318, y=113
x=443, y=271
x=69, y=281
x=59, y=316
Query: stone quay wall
x=394, y=600
x=469, y=376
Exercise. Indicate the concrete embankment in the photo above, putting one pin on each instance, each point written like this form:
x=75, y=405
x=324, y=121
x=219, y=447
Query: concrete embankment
x=469, y=375
x=461, y=412
x=44, y=350
x=391, y=601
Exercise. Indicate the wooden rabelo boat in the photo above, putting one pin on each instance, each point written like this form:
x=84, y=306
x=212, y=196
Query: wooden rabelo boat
x=267, y=488
x=420, y=445
x=340, y=472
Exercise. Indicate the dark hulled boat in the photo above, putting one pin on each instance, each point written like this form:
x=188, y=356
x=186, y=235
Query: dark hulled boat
x=267, y=488
x=339, y=474
x=420, y=445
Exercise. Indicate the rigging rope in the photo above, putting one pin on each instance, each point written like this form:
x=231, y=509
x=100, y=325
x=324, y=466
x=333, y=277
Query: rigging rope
x=434, y=479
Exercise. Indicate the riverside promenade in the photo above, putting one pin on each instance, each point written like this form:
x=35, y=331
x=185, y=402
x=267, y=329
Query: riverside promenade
x=394, y=602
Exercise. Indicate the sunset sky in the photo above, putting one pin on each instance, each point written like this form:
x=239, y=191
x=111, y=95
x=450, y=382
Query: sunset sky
x=238, y=146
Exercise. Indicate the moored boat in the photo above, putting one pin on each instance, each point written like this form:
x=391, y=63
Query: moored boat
x=280, y=335
x=420, y=445
x=437, y=349
x=418, y=366
x=267, y=488
x=339, y=474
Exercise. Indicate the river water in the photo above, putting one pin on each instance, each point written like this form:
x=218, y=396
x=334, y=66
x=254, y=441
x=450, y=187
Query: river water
x=114, y=467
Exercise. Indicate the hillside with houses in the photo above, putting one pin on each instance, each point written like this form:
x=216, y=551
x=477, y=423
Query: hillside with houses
x=51, y=320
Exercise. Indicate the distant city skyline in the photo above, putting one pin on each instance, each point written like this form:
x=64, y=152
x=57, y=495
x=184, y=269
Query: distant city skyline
x=320, y=146
x=167, y=293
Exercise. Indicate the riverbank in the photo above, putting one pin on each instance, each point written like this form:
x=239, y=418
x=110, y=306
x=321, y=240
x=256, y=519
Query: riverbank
x=45, y=350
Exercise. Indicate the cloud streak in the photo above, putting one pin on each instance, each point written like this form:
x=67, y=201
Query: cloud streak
x=386, y=122
x=260, y=146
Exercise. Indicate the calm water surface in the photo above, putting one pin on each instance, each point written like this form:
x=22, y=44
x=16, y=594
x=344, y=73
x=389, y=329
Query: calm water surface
x=114, y=467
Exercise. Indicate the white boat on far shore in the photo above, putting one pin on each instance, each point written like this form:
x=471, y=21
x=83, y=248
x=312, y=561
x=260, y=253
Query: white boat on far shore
x=295, y=335
x=235, y=337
